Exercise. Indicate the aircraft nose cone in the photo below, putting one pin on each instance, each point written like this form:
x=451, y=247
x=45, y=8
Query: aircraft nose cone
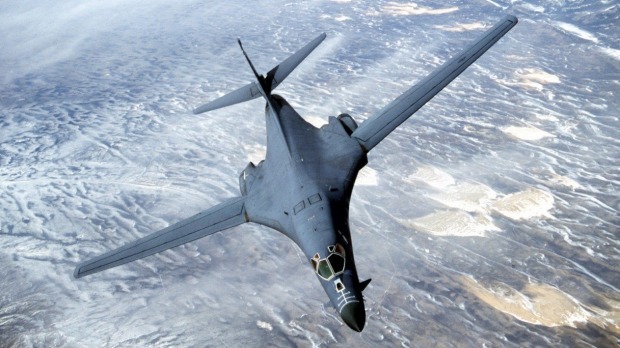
x=354, y=315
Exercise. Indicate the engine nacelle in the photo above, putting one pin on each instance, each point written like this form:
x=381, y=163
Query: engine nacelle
x=348, y=123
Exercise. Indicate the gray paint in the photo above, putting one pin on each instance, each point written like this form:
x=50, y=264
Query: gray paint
x=303, y=186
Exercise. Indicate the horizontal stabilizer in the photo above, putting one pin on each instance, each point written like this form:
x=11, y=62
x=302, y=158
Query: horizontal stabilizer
x=378, y=126
x=245, y=93
x=267, y=83
x=276, y=75
x=217, y=218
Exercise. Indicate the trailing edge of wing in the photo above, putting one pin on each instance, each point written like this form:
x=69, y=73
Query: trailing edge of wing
x=217, y=218
x=268, y=83
x=378, y=126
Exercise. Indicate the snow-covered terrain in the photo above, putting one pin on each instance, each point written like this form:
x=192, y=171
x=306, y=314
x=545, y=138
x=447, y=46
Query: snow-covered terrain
x=490, y=218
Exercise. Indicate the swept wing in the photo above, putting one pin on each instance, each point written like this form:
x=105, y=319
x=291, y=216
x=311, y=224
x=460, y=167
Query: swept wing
x=378, y=126
x=217, y=218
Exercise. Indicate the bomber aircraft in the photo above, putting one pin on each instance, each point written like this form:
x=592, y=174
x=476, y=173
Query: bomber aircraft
x=303, y=186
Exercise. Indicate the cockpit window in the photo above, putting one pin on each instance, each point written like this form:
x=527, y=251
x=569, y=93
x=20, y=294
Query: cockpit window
x=324, y=270
x=299, y=207
x=337, y=262
x=332, y=265
x=315, y=198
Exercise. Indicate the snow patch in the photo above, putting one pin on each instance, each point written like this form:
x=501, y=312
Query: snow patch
x=366, y=177
x=536, y=75
x=470, y=197
x=559, y=180
x=256, y=152
x=525, y=204
x=539, y=304
x=612, y=52
x=454, y=223
x=407, y=9
x=432, y=176
x=530, y=78
x=576, y=31
x=316, y=121
x=264, y=325
x=528, y=133
x=461, y=27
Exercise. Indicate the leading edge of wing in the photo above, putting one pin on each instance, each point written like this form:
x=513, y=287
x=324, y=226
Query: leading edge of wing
x=378, y=126
x=217, y=218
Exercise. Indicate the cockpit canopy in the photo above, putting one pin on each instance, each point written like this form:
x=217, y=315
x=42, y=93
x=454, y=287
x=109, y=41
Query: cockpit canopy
x=332, y=265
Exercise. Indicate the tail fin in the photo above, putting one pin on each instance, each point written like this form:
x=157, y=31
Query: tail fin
x=265, y=84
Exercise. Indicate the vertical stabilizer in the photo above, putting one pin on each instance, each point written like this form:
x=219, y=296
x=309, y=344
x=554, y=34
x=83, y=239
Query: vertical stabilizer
x=264, y=91
x=265, y=84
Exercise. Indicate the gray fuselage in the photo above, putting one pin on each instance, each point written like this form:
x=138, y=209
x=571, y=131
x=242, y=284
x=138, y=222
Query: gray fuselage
x=302, y=189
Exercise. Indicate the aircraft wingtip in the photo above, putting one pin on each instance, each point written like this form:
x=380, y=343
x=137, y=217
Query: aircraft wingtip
x=76, y=273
